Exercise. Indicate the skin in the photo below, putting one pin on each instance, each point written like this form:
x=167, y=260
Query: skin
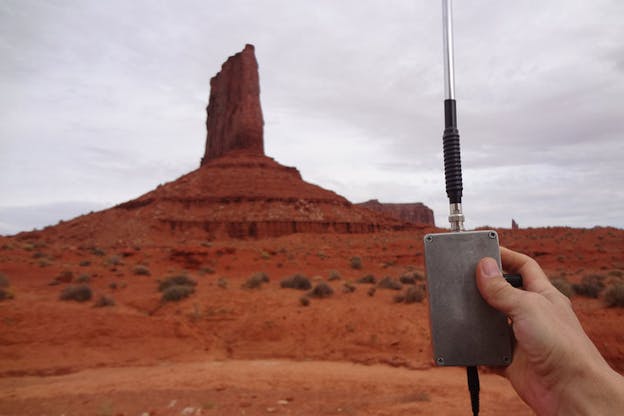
x=556, y=369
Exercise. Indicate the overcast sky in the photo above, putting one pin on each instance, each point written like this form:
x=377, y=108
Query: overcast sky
x=101, y=101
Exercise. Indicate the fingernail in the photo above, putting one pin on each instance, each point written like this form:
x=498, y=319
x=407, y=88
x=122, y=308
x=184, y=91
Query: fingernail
x=489, y=267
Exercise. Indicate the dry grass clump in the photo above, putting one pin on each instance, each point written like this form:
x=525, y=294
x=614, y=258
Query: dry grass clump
x=296, y=281
x=413, y=294
x=356, y=262
x=179, y=280
x=368, y=279
x=141, y=270
x=78, y=293
x=348, y=287
x=563, y=286
x=614, y=297
x=321, y=290
x=389, y=283
x=411, y=278
x=104, y=301
x=256, y=280
x=175, y=288
x=83, y=278
x=177, y=292
x=590, y=286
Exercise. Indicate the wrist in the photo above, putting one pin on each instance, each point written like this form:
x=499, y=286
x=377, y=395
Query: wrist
x=594, y=390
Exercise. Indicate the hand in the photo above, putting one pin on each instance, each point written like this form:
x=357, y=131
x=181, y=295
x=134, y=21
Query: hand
x=556, y=369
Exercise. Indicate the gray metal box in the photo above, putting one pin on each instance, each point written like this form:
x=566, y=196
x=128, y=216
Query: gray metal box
x=465, y=330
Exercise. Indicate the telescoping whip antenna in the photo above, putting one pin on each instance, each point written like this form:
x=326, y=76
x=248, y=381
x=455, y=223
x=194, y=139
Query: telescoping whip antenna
x=465, y=330
x=452, y=156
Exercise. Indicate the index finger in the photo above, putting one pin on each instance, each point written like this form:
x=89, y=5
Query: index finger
x=533, y=277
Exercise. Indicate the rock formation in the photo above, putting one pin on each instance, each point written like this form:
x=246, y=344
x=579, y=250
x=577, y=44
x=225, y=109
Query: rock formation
x=414, y=213
x=514, y=225
x=237, y=192
x=234, y=116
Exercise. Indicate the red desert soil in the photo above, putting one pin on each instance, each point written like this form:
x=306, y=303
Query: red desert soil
x=230, y=350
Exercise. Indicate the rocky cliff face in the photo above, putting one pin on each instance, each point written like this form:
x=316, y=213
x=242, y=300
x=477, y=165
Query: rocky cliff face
x=234, y=116
x=414, y=213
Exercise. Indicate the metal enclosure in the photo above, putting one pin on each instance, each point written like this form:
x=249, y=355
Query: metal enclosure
x=465, y=330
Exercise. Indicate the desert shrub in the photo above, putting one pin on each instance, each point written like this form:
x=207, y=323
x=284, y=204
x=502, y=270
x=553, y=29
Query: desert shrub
x=412, y=294
x=348, y=287
x=304, y=301
x=4, y=281
x=616, y=273
x=79, y=293
x=83, y=278
x=5, y=294
x=175, y=293
x=321, y=290
x=97, y=251
x=334, y=275
x=356, y=262
x=563, y=286
x=141, y=270
x=104, y=301
x=371, y=291
x=256, y=280
x=112, y=285
x=179, y=280
x=296, y=281
x=614, y=297
x=85, y=263
x=590, y=286
x=389, y=283
x=411, y=278
x=368, y=279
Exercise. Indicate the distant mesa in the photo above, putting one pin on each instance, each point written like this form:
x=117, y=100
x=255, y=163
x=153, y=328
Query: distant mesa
x=237, y=192
x=412, y=213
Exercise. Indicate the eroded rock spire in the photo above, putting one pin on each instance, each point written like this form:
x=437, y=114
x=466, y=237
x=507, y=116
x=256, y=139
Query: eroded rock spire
x=234, y=115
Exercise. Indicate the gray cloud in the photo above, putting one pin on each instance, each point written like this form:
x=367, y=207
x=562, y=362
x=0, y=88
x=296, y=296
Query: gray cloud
x=107, y=99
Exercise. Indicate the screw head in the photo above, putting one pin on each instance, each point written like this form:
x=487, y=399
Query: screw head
x=440, y=360
x=492, y=235
x=429, y=238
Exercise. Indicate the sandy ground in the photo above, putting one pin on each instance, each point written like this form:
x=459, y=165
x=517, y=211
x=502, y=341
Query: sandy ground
x=228, y=350
x=258, y=387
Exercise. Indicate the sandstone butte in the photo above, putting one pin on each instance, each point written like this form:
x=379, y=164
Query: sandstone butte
x=237, y=191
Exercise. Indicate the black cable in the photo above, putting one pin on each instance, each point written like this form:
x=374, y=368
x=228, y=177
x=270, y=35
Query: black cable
x=474, y=387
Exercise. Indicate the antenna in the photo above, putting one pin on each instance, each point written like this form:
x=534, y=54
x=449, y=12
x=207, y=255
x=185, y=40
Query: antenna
x=450, y=138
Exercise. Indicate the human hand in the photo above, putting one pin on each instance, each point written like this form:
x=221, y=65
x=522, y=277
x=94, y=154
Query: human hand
x=556, y=369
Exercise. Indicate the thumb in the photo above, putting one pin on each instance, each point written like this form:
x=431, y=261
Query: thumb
x=494, y=288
